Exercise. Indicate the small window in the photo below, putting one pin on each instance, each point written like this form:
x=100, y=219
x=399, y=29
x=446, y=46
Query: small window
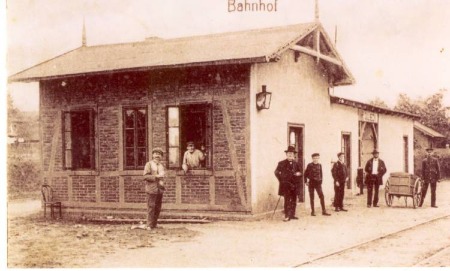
x=188, y=123
x=78, y=139
x=135, y=138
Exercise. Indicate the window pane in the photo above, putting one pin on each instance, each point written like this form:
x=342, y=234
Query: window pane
x=142, y=139
x=292, y=137
x=67, y=140
x=173, y=115
x=142, y=158
x=129, y=118
x=129, y=157
x=141, y=118
x=67, y=126
x=81, y=135
x=129, y=138
x=174, y=157
x=174, y=137
x=68, y=158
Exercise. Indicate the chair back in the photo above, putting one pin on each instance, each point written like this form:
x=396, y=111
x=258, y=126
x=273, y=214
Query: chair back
x=47, y=193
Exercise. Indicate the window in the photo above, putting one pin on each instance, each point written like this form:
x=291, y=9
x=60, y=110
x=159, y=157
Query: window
x=188, y=123
x=135, y=137
x=78, y=139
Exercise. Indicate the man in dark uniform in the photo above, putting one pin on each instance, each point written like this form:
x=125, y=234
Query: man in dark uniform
x=431, y=175
x=288, y=173
x=375, y=169
x=340, y=176
x=313, y=178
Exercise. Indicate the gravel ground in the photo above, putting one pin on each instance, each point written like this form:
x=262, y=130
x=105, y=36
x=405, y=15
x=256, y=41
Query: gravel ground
x=39, y=243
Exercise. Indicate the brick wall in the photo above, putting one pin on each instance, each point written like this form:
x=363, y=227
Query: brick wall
x=107, y=93
x=83, y=188
x=109, y=189
x=134, y=190
x=60, y=189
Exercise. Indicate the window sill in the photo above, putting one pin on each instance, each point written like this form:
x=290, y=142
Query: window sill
x=83, y=173
x=194, y=172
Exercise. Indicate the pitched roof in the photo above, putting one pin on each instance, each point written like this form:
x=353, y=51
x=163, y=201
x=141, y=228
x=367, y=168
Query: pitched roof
x=427, y=130
x=260, y=45
x=372, y=108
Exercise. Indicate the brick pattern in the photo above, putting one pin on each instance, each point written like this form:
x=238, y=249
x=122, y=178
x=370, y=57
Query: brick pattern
x=83, y=188
x=109, y=189
x=195, y=190
x=108, y=128
x=134, y=189
x=169, y=193
x=48, y=123
x=226, y=191
x=106, y=93
x=60, y=189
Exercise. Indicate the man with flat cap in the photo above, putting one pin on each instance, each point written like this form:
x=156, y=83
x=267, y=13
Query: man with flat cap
x=430, y=174
x=313, y=178
x=154, y=174
x=288, y=173
x=340, y=176
x=375, y=170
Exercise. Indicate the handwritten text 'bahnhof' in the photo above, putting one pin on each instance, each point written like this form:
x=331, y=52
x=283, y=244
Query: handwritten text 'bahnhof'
x=252, y=6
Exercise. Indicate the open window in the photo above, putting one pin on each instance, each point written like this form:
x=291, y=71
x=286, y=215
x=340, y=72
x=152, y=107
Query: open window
x=135, y=137
x=78, y=139
x=191, y=122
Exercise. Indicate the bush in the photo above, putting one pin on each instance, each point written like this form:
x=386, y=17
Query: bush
x=24, y=178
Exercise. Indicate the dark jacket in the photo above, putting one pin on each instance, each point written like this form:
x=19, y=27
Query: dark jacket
x=381, y=171
x=339, y=172
x=430, y=170
x=310, y=175
x=285, y=173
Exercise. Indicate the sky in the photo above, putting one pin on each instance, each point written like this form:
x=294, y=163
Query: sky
x=390, y=46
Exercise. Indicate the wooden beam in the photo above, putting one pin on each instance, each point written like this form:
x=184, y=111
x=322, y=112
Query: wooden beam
x=316, y=54
x=233, y=153
x=317, y=44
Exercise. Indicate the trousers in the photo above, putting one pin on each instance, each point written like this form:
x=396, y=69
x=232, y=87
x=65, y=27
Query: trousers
x=154, y=202
x=339, y=195
x=318, y=188
x=433, y=193
x=372, y=190
x=290, y=203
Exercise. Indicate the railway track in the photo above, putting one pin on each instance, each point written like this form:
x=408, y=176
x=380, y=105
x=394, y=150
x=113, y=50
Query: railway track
x=432, y=254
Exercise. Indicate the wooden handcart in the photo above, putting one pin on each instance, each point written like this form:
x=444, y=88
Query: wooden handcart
x=401, y=184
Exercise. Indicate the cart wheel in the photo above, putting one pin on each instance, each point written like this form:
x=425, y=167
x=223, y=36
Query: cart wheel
x=417, y=192
x=388, y=197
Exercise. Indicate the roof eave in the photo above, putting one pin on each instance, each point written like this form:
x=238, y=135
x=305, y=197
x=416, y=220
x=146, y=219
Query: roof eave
x=260, y=59
x=372, y=108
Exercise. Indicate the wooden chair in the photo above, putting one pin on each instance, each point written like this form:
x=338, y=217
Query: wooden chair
x=47, y=196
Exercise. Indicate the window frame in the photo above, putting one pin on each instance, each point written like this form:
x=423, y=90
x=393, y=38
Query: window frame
x=92, y=138
x=135, y=140
x=209, y=130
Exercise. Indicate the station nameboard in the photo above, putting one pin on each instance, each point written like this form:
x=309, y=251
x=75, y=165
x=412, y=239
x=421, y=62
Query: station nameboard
x=368, y=116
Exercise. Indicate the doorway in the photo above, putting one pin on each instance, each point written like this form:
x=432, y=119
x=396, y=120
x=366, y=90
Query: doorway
x=296, y=139
x=346, y=149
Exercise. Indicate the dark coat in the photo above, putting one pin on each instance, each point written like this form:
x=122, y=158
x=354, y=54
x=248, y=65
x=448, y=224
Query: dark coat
x=381, y=170
x=430, y=170
x=285, y=173
x=339, y=172
x=309, y=173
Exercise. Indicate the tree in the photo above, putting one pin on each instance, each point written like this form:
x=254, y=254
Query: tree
x=430, y=109
x=378, y=102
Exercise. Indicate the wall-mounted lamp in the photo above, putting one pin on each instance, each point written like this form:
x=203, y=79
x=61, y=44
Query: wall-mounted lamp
x=263, y=99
